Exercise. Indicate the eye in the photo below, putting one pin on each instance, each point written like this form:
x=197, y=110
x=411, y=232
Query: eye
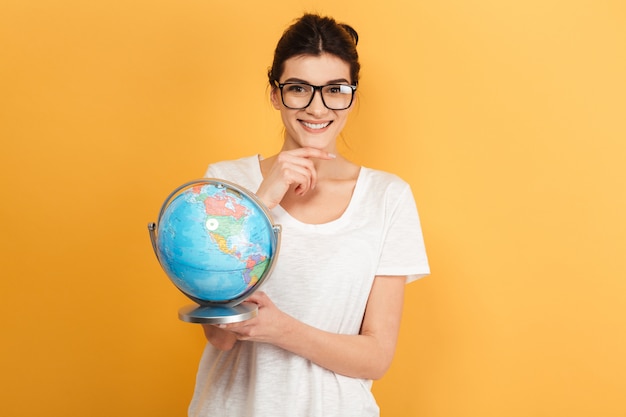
x=334, y=89
x=297, y=88
x=338, y=89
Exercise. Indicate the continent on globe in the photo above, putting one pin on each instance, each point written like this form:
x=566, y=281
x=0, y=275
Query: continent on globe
x=221, y=204
x=226, y=217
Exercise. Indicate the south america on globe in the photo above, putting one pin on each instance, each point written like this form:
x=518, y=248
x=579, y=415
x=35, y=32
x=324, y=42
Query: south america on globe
x=217, y=244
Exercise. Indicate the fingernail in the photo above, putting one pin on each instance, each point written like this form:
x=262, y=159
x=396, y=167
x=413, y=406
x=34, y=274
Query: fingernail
x=331, y=155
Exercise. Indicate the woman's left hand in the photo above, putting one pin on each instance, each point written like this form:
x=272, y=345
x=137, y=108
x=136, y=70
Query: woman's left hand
x=366, y=355
x=268, y=326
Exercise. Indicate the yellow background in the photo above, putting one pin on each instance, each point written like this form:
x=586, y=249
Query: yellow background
x=507, y=118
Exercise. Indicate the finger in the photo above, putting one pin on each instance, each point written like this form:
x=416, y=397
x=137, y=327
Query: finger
x=308, y=152
x=232, y=327
x=259, y=298
x=299, y=178
x=303, y=168
x=299, y=173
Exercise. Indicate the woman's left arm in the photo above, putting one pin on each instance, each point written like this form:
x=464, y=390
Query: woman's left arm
x=367, y=355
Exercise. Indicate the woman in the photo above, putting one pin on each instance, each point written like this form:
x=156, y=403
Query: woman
x=329, y=316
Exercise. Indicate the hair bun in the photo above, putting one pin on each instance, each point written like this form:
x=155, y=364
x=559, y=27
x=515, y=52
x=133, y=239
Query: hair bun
x=351, y=31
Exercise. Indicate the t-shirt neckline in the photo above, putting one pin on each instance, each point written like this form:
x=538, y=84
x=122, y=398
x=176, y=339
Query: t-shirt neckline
x=345, y=216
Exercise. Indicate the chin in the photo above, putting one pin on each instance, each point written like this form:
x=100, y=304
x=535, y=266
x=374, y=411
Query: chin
x=317, y=145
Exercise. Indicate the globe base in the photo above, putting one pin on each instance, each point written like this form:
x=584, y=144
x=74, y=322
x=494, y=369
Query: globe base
x=217, y=314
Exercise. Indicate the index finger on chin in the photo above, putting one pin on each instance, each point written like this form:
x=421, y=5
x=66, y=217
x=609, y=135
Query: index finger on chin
x=317, y=153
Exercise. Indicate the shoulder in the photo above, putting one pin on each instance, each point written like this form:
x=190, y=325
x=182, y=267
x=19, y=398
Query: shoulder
x=246, y=164
x=384, y=182
x=243, y=171
x=388, y=192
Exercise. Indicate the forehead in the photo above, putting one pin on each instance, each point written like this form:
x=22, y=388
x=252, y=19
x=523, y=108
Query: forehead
x=316, y=70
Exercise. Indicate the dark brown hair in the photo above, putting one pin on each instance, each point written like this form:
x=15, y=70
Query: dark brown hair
x=314, y=35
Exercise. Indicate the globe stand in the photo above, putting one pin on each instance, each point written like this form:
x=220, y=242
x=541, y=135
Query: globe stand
x=216, y=314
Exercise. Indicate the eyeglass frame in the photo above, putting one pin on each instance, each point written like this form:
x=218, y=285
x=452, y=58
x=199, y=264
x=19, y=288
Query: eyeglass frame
x=316, y=88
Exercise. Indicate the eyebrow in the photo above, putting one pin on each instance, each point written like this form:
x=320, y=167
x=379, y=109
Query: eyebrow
x=299, y=80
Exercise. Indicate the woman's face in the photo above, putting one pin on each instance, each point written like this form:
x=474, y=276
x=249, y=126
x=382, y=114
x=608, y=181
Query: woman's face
x=314, y=126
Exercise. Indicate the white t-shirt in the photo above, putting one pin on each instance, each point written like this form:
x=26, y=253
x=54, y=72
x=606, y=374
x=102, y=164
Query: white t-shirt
x=323, y=276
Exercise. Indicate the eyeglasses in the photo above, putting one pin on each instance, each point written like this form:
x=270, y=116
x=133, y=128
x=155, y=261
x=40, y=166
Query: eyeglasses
x=298, y=96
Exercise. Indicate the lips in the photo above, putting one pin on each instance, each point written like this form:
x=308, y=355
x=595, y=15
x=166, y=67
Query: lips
x=315, y=126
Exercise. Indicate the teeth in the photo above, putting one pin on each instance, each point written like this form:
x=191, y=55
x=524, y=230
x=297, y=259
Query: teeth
x=316, y=125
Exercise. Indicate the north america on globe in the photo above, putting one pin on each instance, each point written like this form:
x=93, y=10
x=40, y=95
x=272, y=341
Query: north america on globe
x=226, y=219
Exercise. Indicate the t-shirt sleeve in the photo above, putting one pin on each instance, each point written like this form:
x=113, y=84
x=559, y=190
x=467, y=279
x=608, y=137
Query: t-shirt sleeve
x=211, y=172
x=244, y=172
x=403, y=251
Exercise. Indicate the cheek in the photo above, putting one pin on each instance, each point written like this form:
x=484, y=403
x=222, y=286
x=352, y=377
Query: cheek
x=340, y=122
x=287, y=120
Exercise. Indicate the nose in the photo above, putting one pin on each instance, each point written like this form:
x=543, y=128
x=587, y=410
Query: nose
x=316, y=107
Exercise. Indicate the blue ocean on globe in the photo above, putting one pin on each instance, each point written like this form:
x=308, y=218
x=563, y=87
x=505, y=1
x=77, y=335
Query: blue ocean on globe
x=215, y=242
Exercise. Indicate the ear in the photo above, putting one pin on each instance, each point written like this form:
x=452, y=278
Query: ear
x=275, y=98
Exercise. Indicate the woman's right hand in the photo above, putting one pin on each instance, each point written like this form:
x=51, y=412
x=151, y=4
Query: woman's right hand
x=220, y=338
x=290, y=168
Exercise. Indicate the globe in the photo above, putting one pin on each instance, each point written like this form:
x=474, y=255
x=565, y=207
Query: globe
x=217, y=244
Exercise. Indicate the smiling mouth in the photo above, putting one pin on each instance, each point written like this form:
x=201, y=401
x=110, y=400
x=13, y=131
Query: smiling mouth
x=315, y=126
